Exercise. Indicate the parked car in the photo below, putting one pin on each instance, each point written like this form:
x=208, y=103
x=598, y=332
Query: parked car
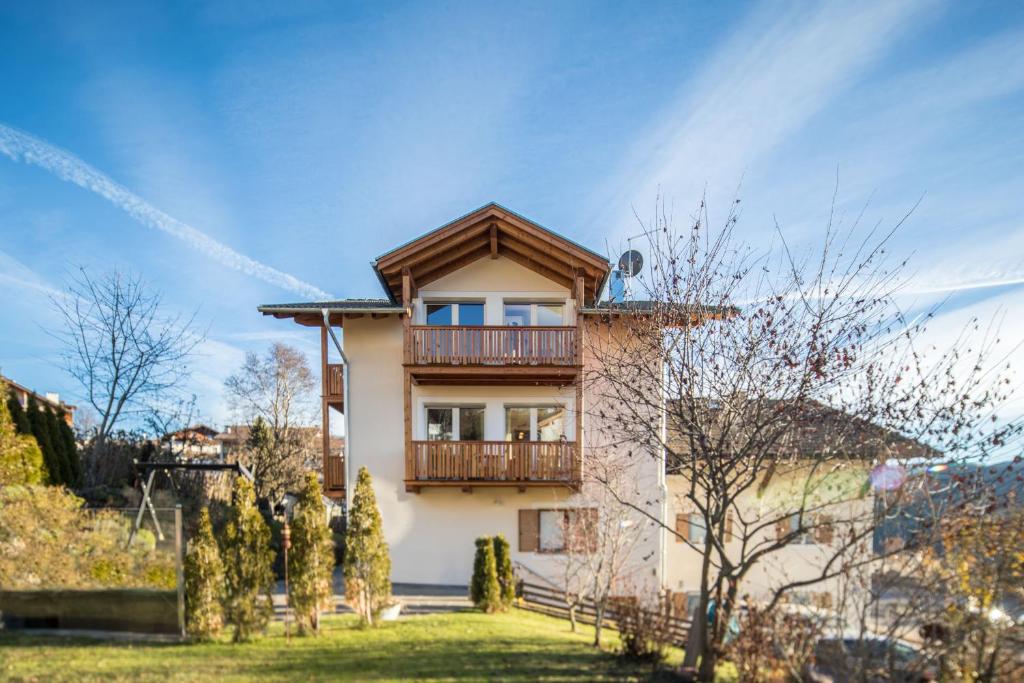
x=887, y=660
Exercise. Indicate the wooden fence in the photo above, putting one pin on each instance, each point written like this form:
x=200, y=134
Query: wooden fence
x=551, y=601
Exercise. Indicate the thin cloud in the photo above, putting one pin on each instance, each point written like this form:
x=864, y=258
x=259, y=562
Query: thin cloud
x=775, y=73
x=26, y=148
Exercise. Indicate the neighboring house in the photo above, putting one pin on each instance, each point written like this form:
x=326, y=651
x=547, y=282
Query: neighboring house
x=198, y=442
x=461, y=393
x=822, y=434
x=21, y=394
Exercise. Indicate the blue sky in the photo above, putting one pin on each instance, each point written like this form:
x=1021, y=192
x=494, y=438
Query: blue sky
x=238, y=154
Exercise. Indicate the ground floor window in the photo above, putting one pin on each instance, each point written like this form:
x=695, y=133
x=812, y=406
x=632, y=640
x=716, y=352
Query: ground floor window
x=558, y=530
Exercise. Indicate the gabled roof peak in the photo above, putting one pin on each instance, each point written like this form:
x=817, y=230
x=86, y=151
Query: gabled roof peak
x=492, y=231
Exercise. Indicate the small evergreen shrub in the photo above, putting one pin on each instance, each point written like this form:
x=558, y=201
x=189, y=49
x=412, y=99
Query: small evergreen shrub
x=484, y=590
x=367, y=563
x=248, y=564
x=506, y=577
x=204, y=582
x=21, y=460
x=311, y=558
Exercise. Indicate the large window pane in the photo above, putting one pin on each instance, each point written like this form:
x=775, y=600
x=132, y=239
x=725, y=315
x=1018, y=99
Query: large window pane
x=471, y=424
x=550, y=424
x=697, y=532
x=517, y=315
x=550, y=314
x=517, y=424
x=552, y=530
x=439, y=314
x=471, y=314
x=439, y=424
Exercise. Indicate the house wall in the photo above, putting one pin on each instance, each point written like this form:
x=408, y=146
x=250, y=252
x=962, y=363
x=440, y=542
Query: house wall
x=793, y=562
x=431, y=533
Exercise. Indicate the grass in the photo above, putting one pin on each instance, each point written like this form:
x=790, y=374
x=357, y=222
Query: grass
x=459, y=646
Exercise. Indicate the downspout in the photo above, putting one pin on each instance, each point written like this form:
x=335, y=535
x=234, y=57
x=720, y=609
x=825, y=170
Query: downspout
x=345, y=399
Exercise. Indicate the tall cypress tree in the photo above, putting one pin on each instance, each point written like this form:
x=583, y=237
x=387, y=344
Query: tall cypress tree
x=204, y=582
x=71, y=448
x=41, y=431
x=311, y=559
x=484, y=590
x=367, y=561
x=248, y=564
x=60, y=449
x=21, y=461
x=18, y=416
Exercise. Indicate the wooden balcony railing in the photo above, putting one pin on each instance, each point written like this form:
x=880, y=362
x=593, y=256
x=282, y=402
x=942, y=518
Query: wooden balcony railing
x=334, y=473
x=493, y=461
x=492, y=345
x=334, y=383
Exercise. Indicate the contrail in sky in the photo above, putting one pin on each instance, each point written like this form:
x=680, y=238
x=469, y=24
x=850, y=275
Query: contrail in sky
x=21, y=146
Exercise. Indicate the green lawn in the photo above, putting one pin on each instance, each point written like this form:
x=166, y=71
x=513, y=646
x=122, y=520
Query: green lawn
x=462, y=646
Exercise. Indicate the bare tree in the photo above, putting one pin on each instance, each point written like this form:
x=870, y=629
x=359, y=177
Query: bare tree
x=742, y=356
x=274, y=395
x=127, y=353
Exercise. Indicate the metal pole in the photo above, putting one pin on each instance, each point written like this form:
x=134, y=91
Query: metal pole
x=286, y=541
x=180, y=566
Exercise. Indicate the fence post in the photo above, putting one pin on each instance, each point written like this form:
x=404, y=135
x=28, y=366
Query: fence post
x=179, y=566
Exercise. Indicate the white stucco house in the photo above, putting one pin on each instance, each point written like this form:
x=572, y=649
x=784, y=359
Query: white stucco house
x=462, y=392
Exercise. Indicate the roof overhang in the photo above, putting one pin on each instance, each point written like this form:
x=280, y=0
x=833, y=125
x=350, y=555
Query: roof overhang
x=489, y=232
x=311, y=314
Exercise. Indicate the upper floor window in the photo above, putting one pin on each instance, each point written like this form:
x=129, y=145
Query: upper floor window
x=527, y=314
x=445, y=423
x=461, y=313
x=543, y=423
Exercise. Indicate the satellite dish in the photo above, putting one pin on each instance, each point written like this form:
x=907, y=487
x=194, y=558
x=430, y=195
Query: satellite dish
x=631, y=262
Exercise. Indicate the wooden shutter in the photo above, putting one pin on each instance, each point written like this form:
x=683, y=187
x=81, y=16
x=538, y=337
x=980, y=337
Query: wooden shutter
x=728, y=526
x=823, y=531
x=529, y=531
x=682, y=527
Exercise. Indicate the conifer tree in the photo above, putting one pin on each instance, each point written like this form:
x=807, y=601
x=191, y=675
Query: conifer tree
x=248, y=563
x=41, y=432
x=18, y=416
x=484, y=590
x=71, y=448
x=60, y=451
x=506, y=577
x=311, y=558
x=204, y=582
x=367, y=562
x=21, y=461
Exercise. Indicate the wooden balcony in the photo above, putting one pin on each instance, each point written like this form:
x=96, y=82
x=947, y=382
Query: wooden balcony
x=491, y=463
x=334, y=385
x=334, y=474
x=442, y=354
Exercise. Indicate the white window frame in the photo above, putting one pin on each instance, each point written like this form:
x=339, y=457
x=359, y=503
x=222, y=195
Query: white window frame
x=533, y=408
x=455, y=308
x=456, y=409
x=533, y=309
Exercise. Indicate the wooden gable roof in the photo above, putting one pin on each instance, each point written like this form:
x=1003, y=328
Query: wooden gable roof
x=489, y=232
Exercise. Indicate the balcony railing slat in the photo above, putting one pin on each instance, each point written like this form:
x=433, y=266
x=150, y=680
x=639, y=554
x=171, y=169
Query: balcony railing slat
x=544, y=461
x=493, y=345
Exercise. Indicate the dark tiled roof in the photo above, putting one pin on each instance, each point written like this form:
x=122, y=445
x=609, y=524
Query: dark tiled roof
x=338, y=304
x=648, y=306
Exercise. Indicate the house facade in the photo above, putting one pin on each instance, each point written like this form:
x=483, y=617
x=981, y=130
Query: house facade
x=462, y=393
x=21, y=394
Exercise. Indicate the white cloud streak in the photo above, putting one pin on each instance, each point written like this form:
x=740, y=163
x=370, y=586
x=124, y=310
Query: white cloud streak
x=779, y=69
x=23, y=147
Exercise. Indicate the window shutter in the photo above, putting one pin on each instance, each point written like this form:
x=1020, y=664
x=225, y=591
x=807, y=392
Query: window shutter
x=590, y=514
x=728, y=526
x=682, y=527
x=529, y=531
x=823, y=532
